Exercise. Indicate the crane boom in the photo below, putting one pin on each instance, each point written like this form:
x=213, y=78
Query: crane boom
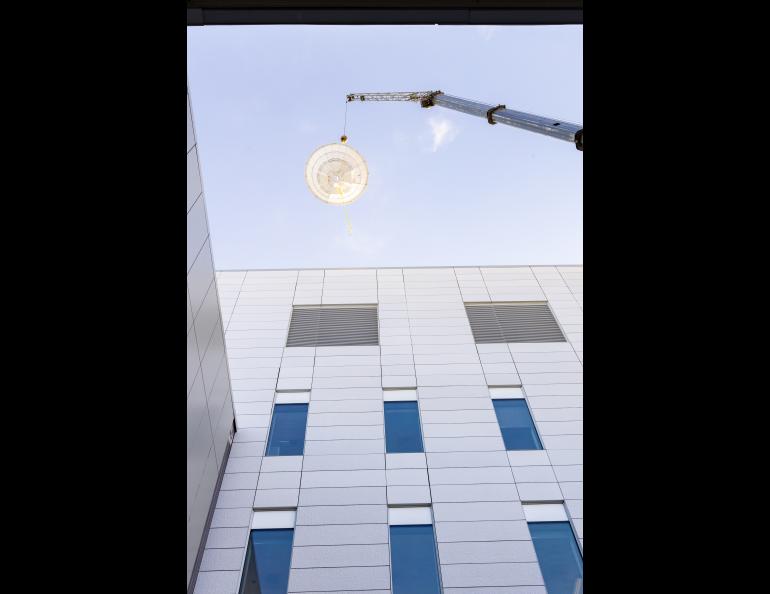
x=494, y=114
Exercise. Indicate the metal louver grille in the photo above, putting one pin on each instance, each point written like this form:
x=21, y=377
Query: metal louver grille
x=513, y=322
x=333, y=325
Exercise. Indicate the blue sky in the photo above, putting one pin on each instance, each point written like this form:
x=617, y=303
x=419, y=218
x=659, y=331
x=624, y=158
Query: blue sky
x=445, y=188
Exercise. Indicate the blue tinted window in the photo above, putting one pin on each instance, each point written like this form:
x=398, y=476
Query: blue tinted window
x=414, y=568
x=287, y=430
x=402, y=427
x=516, y=425
x=559, y=557
x=266, y=570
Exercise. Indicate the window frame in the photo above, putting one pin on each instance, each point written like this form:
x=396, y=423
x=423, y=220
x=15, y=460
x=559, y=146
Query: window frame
x=251, y=558
x=413, y=515
x=550, y=513
x=522, y=397
x=278, y=402
x=394, y=403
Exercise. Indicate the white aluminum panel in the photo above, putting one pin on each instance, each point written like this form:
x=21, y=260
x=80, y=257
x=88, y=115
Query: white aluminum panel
x=406, y=516
x=292, y=397
x=274, y=519
x=545, y=512
x=399, y=395
x=508, y=393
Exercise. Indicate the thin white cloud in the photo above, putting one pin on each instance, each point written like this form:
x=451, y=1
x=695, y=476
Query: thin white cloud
x=443, y=132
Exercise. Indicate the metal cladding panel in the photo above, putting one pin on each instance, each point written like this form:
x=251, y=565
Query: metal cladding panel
x=333, y=325
x=513, y=322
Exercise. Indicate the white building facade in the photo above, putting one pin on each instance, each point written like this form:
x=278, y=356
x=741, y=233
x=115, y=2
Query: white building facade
x=209, y=403
x=341, y=498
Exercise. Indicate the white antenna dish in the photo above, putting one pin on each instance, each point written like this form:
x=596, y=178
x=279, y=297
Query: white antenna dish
x=336, y=174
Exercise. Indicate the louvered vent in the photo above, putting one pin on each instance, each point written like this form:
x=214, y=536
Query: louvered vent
x=513, y=322
x=333, y=325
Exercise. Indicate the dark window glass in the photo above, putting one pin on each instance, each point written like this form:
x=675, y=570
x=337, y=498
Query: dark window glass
x=559, y=557
x=287, y=430
x=516, y=425
x=413, y=560
x=402, y=427
x=266, y=570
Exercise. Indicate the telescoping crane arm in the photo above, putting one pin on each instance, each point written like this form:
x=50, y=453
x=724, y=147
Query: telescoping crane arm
x=494, y=114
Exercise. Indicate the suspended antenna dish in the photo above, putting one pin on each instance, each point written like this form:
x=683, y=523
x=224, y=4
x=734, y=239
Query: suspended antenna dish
x=336, y=174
